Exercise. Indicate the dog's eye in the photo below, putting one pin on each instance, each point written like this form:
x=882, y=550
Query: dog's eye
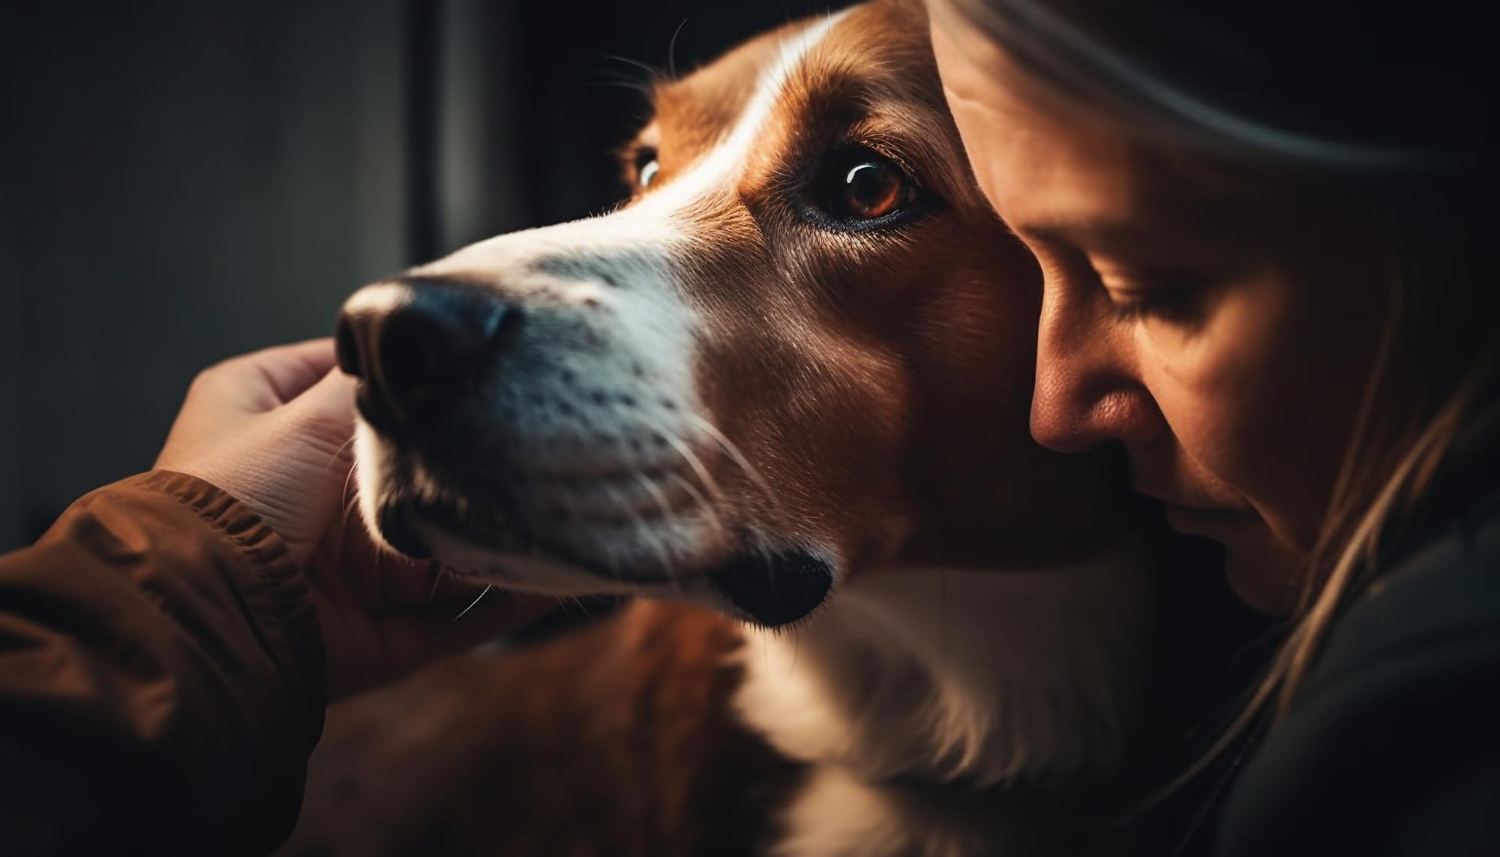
x=861, y=184
x=646, y=168
x=872, y=189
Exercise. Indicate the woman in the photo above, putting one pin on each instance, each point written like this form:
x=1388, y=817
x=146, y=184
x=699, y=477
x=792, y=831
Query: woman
x=1262, y=233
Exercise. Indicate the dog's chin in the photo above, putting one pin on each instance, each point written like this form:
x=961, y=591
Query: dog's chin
x=768, y=588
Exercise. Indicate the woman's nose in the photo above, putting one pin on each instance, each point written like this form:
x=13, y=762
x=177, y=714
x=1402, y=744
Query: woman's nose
x=1088, y=387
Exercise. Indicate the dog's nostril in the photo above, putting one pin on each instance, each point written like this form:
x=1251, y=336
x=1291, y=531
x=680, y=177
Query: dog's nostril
x=346, y=347
x=414, y=352
x=425, y=347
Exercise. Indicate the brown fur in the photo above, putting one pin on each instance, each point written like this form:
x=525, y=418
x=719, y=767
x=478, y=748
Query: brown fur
x=610, y=740
x=879, y=386
x=906, y=381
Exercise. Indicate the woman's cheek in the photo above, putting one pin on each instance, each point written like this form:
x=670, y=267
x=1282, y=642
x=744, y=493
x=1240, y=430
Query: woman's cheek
x=1213, y=385
x=1245, y=386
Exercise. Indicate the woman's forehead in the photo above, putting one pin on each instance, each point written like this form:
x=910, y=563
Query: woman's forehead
x=1056, y=166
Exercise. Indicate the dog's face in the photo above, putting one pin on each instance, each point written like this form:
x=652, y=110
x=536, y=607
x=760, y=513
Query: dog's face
x=804, y=345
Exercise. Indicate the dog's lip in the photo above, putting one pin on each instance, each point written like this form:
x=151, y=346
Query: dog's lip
x=622, y=473
x=532, y=548
x=546, y=497
x=449, y=518
x=397, y=529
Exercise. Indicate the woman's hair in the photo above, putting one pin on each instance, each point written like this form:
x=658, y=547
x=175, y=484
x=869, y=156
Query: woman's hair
x=1384, y=104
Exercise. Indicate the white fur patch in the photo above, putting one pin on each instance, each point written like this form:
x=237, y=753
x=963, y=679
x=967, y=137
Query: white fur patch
x=838, y=814
x=946, y=676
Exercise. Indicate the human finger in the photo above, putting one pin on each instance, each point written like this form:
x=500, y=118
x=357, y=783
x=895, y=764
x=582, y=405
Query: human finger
x=266, y=379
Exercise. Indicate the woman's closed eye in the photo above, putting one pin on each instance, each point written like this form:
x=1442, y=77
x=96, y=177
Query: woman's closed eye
x=1172, y=297
x=1168, y=304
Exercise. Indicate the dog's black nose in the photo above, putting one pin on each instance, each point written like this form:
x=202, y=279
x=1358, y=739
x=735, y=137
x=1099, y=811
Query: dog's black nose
x=415, y=343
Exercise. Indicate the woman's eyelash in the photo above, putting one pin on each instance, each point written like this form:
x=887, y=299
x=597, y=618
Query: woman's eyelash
x=1174, y=304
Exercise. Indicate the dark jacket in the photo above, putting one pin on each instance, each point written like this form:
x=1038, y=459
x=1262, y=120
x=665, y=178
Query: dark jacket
x=1392, y=746
x=161, y=678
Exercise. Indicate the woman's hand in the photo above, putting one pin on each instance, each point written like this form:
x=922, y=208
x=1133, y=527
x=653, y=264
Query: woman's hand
x=274, y=430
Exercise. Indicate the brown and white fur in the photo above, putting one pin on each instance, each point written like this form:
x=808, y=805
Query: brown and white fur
x=881, y=620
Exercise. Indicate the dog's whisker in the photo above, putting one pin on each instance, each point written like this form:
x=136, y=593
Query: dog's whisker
x=349, y=497
x=437, y=580
x=739, y=458
x=668, y=566
x=672, y=50
x=629, y=511
x=350, y=503
x=621, y=83
x=649, y=70
x=339, y=453
x=474, y=603
x=702, y=502
x=692, y=460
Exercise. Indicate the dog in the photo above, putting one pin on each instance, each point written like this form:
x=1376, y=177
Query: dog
x=779, y=398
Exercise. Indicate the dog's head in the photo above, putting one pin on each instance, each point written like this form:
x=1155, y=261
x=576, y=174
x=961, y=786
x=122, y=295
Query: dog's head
x=804, y=345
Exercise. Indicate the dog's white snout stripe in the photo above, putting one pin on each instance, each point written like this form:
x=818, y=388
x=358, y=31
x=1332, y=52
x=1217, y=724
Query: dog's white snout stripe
x=717, y=171
x=662, y=220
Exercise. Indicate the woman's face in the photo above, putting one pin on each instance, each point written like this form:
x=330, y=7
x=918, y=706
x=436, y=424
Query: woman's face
x=1220, y=329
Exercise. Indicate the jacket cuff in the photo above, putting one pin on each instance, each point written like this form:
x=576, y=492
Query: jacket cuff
x=281, y=604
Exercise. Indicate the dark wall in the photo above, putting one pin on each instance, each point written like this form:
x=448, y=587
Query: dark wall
x=187, y=180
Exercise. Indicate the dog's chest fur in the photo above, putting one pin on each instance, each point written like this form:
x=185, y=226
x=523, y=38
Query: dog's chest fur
x=922, y=712
x=938, y=708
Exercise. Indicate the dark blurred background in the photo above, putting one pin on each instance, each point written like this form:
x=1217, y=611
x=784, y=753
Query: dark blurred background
x=188, y=180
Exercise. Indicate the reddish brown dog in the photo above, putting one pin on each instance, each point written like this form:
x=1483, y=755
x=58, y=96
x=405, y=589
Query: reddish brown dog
x=783, y=394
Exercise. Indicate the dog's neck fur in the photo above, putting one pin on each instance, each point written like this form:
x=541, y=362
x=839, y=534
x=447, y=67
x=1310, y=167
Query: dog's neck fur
x=963, y=678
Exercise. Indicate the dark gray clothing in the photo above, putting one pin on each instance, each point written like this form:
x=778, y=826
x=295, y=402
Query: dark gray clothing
x=1392, y=747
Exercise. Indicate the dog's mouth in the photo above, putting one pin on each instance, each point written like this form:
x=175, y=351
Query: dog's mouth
x=401, y=524
x=540, y=509
x=768, y=587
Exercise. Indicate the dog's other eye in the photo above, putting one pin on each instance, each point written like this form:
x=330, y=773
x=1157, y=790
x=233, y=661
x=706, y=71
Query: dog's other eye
x=646, y=168
x=862, y=184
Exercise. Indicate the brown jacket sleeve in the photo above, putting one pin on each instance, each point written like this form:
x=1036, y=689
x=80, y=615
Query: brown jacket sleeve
x=161, y=678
